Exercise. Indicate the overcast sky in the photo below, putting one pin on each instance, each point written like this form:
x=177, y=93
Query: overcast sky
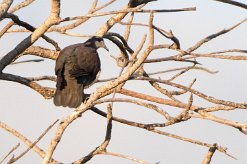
x=27, y=111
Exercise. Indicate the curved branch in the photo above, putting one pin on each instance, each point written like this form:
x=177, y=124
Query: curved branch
x=46, y=92
x=235, y=3
x=124, y=42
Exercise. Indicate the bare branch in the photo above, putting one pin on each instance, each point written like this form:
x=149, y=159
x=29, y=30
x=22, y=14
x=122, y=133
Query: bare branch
x=38, y=150
x=125, y=44
x=181, y=73
x=6, y=28
x=28, y=61
x=240, y=126
x=202, y=95
x=4, y=6
x=209, y=155
x=217, y=56
x=122, y=13
x=128, y=27
x=125, y=157
x=52, y=19
x=21, y=5
x=166, y=34
x=161, y=72
x=41, y=52
x=219, y=148
x=51, y=78
x=104, y=6
x=156, y=99
x=11, y=151
x=147, y=105
x=235, y=3
x=183, y=68
x=12, y=160
x=46, y=92
x=63, y=29
x=104, y=144
x=16, y=19
x=210, y=37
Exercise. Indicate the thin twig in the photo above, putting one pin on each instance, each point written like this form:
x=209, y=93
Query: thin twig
x=6, y=28
x=51, y=78
x=143, y=126
x=28, y=61
x=210, y=37
x=181, y=73
x=25, y=140
x=11, y=151
x=20, y=5
x=128, y=10
x=166, y=34
x=104, y=144
x=104, y=5
x=217, y=56
x=125, y=157
x=200, y=94
x=147, y=105
x=16, y=19
x=183, y=68
x=12, y=160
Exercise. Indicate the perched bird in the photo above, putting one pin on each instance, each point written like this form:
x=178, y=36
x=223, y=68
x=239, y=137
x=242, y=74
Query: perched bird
x=76, y=67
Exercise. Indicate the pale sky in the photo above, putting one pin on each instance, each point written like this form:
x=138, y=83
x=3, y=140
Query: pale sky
x=26, y=111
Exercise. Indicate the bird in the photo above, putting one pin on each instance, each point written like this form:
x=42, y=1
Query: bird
x=76, y=68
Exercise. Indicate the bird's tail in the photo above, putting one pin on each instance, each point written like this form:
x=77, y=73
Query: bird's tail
x=70, y=96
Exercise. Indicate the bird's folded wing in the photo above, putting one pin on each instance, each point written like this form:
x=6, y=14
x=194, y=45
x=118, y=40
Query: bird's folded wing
x=78, y=72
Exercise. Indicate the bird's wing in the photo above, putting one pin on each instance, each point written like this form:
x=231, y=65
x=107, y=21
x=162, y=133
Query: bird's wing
x=61, y=68
x=77, y=60
x=88, y=64
x=59, y=71
x=76, y=72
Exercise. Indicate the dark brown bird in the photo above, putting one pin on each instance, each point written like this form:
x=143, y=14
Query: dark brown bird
x=77, y=67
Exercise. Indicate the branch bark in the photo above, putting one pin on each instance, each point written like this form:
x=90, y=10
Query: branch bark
x=4, y=6
x=21, y=47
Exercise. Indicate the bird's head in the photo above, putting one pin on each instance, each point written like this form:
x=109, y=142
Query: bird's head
x=97, y=42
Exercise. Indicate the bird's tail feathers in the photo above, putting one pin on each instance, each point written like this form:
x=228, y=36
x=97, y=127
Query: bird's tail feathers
x=70, y=96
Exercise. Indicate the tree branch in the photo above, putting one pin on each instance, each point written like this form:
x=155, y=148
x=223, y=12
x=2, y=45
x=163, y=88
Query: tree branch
x=235, y=3
x=21, y=47
x=4, y=6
